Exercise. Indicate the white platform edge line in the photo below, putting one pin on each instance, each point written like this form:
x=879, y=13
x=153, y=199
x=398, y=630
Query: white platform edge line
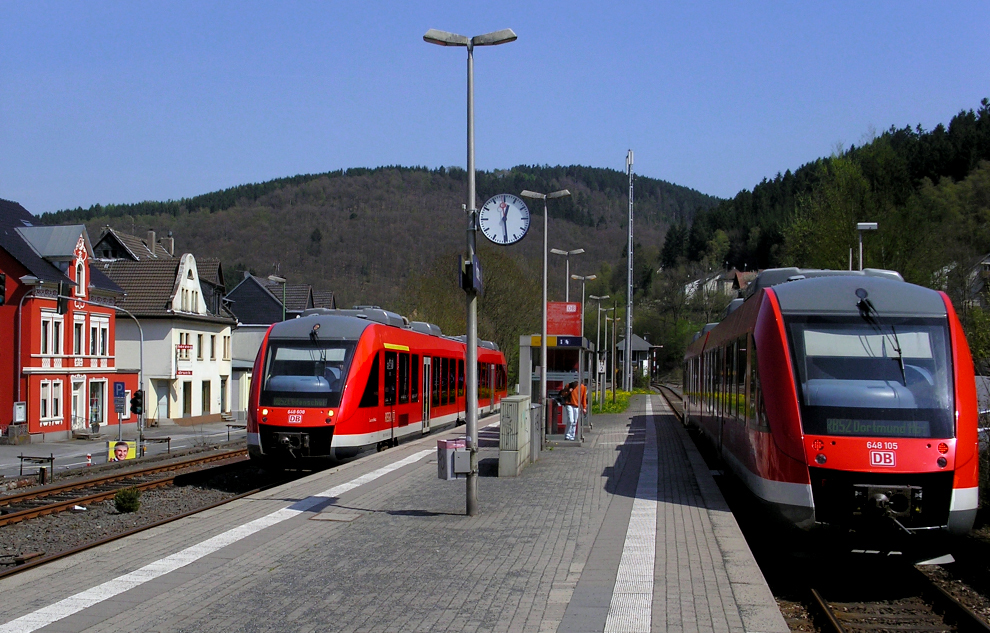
x=631, y=608
x=85, y=599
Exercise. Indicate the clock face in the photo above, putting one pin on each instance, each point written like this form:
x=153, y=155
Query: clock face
x=504, y=219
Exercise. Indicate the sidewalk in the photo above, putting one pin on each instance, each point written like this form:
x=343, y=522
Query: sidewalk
x=380, y=544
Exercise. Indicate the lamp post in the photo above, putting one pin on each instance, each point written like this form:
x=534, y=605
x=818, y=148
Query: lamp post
x=33, y=283
x=627, y=357
x=280, y=280
x=444, y=38
x=598, y=328
x=543, y=323
x=567, y=267
x=860, y=227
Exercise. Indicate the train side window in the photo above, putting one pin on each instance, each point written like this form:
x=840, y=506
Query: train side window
x=435, y=370
x=414, y=383
x=501, y=378
x=460, y=379
x=370, y=396
x=391, y=369
x=444, y=379
x=403, y=378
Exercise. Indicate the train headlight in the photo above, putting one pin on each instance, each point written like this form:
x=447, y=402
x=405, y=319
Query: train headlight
x=942, y=462
x=820, y=458
x=943, y=448
x=264, y=412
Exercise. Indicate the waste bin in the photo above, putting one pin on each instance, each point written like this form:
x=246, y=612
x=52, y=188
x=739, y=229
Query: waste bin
x=445, y=458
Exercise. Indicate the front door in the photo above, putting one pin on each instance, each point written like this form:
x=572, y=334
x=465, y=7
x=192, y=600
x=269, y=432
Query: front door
x=96, y=398
x=426, y=393
x=391, y=374
x=186, y=399
x=223, y=394
x=161, y=412
x=78, y=405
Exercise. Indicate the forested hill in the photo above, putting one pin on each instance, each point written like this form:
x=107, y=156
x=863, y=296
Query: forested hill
x=366, y=233
x=928, y=190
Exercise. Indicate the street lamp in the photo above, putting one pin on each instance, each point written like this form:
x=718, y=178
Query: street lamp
x=543, y=324
x=860, y=227
x=598, y=350
x=33, y=283
x=567, y=270
x=280, y=280
x=444, y=38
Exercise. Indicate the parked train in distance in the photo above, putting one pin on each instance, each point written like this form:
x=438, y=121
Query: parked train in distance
x=332, y=383
x=842, y=398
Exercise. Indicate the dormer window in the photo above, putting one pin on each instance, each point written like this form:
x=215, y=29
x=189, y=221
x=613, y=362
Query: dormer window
x=80, y=279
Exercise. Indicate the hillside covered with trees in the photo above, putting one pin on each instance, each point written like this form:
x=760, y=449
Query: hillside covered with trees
x=929, y=191
x=392, y=236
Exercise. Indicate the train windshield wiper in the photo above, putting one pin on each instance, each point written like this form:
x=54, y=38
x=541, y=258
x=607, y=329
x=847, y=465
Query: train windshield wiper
x=870, y=314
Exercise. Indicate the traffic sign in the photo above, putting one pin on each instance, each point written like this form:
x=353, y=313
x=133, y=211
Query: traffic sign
x=119, y=405
x=118, y=390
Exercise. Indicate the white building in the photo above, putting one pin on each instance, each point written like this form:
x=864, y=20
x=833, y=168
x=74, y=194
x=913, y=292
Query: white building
x=187, y=333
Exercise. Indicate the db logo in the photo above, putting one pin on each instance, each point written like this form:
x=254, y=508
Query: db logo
x=571, y=307
x=295, y=419
x=882, y=458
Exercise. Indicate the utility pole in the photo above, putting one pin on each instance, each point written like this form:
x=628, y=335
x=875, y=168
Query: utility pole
x=627, y=356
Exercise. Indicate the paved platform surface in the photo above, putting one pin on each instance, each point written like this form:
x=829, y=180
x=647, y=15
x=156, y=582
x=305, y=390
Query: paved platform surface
x=625, y=533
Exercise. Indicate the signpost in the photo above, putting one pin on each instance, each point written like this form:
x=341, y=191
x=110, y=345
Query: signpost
x=119, y=404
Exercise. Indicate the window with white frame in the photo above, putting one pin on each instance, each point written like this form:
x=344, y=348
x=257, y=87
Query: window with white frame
x=46, y=395
x=56, y=399
x=226, y=348
x=51, y=333
x=78, y=336
x=213, y=346
x=104, y=339
x=80, y=290
x=94, y=335
x=199, y=347
x=99, y=333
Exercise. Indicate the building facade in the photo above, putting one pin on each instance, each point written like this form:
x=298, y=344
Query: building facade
x=62, y=372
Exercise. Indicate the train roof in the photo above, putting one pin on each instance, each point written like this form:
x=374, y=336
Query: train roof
x=350, y=324
x=777, y=276
x=841, y=294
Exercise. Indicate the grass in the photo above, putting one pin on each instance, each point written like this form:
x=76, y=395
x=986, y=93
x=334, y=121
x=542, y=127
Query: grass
x=621, y=401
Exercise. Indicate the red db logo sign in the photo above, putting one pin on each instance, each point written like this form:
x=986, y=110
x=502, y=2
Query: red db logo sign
x=882, y=458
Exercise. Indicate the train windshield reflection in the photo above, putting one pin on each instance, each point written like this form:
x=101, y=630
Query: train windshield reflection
x=301, y=374
x=885, y=378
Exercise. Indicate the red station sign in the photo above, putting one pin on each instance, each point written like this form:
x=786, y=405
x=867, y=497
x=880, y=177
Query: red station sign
x=563, y=319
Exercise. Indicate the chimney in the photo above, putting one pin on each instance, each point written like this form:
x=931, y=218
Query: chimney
x=168, y=243
x=151, y=242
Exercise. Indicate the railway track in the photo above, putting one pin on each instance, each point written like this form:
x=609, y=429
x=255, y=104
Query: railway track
x=908, y=602
x=59, y=498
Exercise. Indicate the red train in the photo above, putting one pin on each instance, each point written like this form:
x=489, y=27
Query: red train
x=842, y=398
x=334, y=382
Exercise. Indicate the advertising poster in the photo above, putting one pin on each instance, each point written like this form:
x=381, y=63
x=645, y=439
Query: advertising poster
x=120, y=451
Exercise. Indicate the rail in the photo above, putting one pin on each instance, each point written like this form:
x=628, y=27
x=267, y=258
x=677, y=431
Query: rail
x=51, y=499
x=924, y=607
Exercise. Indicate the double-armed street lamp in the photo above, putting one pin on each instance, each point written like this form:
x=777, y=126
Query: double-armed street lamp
x=567, y=267
x=444, y=38
x=543, y=323
x=584, y=279
x=598, y=327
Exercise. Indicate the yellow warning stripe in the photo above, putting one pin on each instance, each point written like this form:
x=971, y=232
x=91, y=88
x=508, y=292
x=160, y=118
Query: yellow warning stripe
x=401, y=348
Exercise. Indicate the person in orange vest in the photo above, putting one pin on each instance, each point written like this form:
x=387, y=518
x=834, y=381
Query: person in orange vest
x=577, y=396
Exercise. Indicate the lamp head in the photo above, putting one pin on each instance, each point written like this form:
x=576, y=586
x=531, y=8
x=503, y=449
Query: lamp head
x=532, y=194
x=444, y=38
x=557, y=251
x=559, y=194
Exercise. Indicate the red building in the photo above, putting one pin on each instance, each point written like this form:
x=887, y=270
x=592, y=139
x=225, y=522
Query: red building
x=57, y=369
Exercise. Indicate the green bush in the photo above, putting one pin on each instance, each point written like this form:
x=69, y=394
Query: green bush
x=127, y=500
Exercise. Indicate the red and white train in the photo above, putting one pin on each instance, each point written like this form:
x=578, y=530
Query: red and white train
x=335, y=382
x=842, y=398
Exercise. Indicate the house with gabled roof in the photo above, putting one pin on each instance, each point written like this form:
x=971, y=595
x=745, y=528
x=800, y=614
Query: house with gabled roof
x=114, y=244
x=187, y=334
x=61, y=374
x=257, y=302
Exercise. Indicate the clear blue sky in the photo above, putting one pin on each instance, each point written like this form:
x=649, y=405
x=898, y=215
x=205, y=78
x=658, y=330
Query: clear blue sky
x=111, y=102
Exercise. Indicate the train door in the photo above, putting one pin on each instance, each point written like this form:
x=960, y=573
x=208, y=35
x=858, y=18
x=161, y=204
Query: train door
x=491, y=387
x=391, y=372
x=427, y=381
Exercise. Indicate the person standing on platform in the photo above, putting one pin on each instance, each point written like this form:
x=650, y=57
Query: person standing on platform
x=577, y=397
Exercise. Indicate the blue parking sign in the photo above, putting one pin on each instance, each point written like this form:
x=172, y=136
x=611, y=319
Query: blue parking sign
x=118, y=390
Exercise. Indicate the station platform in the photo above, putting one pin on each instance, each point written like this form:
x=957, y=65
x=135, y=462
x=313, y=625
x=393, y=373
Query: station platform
x=626, y=532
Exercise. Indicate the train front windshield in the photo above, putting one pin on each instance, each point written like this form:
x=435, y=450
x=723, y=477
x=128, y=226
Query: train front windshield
x=873, y=378
x=299, y=374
